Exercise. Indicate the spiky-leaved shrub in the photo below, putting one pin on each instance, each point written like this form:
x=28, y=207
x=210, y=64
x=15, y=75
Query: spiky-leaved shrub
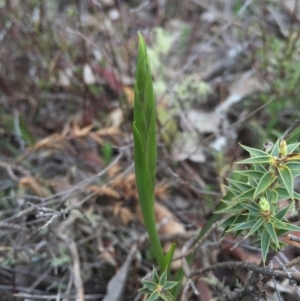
x=254, y=200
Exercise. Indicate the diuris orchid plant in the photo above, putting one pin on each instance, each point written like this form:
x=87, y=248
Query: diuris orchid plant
x=144, y=134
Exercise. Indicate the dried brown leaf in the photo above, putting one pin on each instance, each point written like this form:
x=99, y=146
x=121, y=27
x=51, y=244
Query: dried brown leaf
x=161, y=190
x=95, y=137
x=127, y=186
x=124, y=213
x=110, y=131
x=114, y=170
x=34, y=186
x=48, y=141
x=103, y=191
x=81, y=132
x=129, y=94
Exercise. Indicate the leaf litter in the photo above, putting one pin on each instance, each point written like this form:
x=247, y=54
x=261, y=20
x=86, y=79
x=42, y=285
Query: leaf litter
x=70, y=221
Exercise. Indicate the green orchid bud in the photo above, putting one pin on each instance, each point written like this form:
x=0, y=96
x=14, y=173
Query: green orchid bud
x=264, y=205
x=283, y=148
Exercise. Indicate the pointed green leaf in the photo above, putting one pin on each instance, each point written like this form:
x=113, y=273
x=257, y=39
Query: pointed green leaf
x=272, y=196
x=264, y=183
x=262, y=159
x=254, y=151
x=236, y=221
x=170, y=284
x=228, y=222
x=163, y=278
x=256, y=174
x=281, y=214
x=240, y=185
x=287, y=179
x=292, y=227
x=229, y=205
x=296, y=195
x=281, y=232
x=243, y=218
x=255, y=227
x=149, y=284
x=292, y=147
x=273, y=208
x=243, y=226
x=293, y=165
x=259, y=167
x=169, y=255
x=294, y=168
x=252, y=182
x=155, y=277
x=280, y=224
x=154, y=296
x=275, y=149
x=253, y=216
x=231, y=192
x=233, y=210
x=288, y=227
x=246, y=195
x=166, y=297
x=283, y=194
x=252, y=207
x=295, y=173
x=272, y=233
x=145, y=290
x=265, y=243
